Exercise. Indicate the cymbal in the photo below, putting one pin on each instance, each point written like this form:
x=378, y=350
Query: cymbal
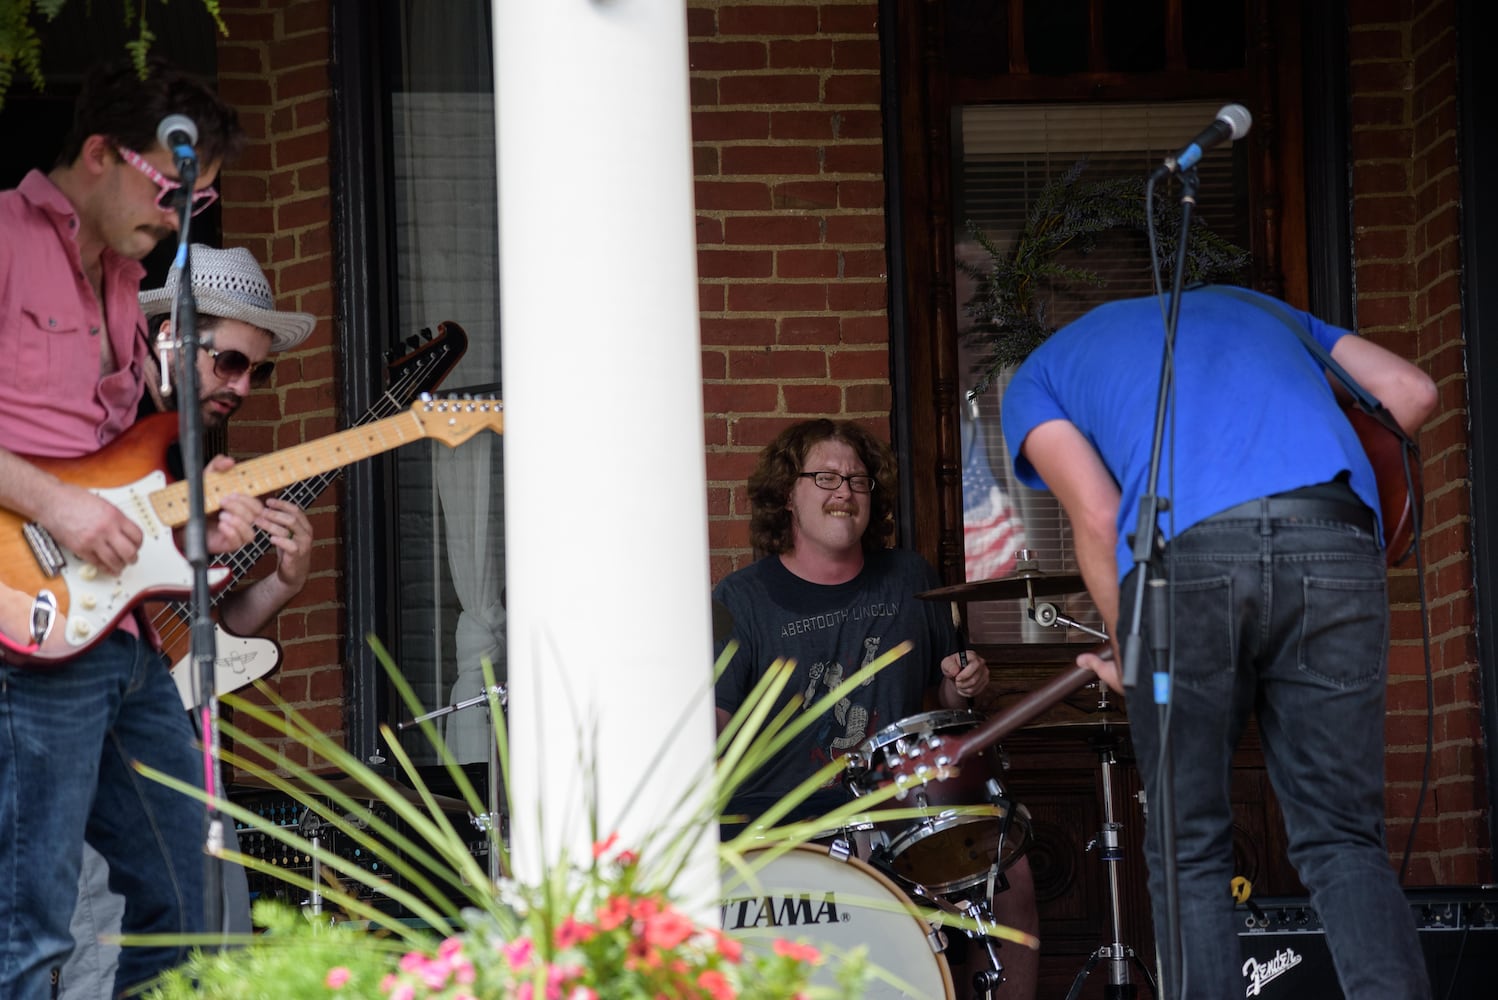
x=1019, y=584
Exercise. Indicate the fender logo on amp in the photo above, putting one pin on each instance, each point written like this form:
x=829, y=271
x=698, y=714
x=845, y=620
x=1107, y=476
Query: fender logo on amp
x=1260, y=974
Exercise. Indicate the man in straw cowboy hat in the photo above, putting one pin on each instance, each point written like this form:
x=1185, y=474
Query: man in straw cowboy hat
x=240, y=327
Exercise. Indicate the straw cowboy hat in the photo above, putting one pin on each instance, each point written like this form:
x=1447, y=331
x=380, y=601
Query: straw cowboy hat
x=230, y=284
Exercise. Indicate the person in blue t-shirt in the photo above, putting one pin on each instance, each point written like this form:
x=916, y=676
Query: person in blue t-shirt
x=830, y=595
x=1276, y=579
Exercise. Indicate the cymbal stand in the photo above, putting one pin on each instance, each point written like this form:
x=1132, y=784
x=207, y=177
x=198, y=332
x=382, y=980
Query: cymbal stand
x=311, y=827
x=491, y=823
x=1046, y=616
x=1116, y=953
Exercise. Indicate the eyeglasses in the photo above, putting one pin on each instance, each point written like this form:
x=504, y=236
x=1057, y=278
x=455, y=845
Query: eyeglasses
x=832, y=480
x=165, y=185
x=229, y=365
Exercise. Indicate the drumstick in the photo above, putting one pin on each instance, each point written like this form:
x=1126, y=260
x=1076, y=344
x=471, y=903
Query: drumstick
x=961, y=640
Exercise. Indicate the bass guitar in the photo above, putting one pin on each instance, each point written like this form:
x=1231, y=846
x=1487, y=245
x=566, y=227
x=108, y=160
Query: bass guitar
x=239, y=659
x=54, y=605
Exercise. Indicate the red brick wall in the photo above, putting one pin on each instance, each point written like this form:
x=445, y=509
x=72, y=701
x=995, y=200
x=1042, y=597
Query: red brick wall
x=273, y=67
x=789, y=153
x=1406, y=217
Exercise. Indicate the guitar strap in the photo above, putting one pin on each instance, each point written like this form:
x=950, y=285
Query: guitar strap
x=1365, y=400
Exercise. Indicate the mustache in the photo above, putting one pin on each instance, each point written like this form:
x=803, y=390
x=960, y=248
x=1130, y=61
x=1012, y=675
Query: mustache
x=231, y=399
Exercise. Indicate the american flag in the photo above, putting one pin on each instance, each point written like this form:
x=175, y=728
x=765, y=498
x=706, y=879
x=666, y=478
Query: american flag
x=992, y=531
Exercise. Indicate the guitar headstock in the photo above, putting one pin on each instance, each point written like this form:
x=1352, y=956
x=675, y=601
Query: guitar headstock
x=924, y=760
x=425, y=362
x=455, y=419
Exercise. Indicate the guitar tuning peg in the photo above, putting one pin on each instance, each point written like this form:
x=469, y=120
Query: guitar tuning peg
x=413, y=341
x=388, y=355
x=426, y=333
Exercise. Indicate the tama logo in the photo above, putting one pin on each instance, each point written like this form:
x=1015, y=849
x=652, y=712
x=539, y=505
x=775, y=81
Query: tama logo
x=780, y=911
x=1260, y=974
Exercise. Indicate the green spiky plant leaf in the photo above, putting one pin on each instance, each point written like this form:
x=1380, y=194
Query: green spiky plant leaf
x=500, y=934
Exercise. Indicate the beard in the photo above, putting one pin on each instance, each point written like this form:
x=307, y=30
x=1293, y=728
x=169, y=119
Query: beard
x=213, y=416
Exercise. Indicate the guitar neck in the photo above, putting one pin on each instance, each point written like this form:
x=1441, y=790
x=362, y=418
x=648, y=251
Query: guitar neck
x=303, y=493
x=268, y=473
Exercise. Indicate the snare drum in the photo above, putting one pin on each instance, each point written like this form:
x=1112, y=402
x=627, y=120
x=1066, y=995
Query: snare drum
x=944, y=851
x=806, y=894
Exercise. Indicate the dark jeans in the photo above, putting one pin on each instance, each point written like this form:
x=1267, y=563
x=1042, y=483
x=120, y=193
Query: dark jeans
x=68, y=737
x=1288, y=620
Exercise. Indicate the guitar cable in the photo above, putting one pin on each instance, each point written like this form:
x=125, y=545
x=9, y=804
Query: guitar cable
x=1411, y=453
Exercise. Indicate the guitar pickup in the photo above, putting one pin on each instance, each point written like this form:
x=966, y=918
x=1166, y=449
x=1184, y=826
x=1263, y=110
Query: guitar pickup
x=44, y=550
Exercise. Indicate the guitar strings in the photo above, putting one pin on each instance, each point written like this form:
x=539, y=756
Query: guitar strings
x=173, y=622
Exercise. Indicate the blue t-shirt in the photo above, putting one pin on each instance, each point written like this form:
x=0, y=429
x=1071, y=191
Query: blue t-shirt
x=1252, y=412
x=831, y=632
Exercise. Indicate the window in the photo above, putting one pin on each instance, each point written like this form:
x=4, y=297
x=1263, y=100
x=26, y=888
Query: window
x=1006, y=155
x=430, y=247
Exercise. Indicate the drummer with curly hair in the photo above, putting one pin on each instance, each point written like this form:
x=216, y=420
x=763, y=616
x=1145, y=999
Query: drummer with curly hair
x=829, y=593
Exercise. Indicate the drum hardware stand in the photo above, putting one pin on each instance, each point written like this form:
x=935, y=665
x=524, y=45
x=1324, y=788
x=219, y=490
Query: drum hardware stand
x=1117, y=954
x=311, y=827
x=1046, y=616
x=979, y=911
x=491, y=823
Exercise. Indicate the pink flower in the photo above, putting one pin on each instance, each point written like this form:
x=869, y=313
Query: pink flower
x=668, y=929
x=582, y=993
x=797, y=952
x=518, y=952
x=716, y=985
x=337, y=976
x=728, y=947
x=450, y=947
x=600, y=848
x=572, y=931
x=613, y=913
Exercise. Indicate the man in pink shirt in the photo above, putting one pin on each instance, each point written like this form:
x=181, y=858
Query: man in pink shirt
x=73, y=344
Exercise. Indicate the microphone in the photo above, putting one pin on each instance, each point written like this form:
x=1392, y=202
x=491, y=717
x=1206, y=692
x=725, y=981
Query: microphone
x=1233, y=121
x=179, y=134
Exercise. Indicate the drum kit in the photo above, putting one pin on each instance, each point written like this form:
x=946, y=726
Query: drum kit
x=894, y=885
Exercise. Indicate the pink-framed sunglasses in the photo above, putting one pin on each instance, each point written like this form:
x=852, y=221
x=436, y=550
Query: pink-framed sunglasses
x=165, y=185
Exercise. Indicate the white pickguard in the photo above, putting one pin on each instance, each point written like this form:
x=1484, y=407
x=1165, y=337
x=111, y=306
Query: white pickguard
x=239, y=662
x=95, y=599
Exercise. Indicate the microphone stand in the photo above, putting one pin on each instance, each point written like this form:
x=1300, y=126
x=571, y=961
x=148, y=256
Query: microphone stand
x=1146, y=542
x=195, y=542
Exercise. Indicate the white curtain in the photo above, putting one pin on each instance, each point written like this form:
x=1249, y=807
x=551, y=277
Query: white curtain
x=471, y=488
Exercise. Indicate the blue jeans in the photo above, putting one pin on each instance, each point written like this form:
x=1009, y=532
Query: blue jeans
x=1287, y=619
x=68, y=736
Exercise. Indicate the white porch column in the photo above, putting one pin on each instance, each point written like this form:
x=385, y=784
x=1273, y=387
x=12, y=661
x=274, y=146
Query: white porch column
x=606, y=518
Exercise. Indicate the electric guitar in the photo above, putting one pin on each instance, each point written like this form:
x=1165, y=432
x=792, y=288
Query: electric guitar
x=240, y=659
x=54, y=605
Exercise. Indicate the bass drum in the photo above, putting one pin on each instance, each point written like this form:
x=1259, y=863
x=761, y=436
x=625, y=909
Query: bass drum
x=835, y=906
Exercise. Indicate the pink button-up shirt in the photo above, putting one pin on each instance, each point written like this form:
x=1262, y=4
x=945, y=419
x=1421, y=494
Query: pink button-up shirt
x=53, y=400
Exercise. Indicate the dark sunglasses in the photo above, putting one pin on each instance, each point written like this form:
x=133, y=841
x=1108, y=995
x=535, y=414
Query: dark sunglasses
x=229, y=365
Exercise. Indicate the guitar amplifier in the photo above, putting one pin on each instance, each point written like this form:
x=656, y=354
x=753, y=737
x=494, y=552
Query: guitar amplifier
x=1285, y=956
x=308, y=822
